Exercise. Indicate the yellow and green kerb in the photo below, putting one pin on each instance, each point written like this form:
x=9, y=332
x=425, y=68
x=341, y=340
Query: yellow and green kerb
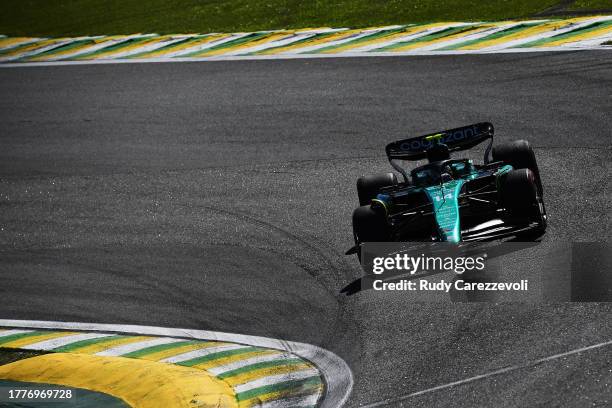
x=443, y=37
x=152, y=371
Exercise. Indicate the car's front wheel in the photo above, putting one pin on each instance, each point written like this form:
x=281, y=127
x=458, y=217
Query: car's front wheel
x=370, y=225
x=519, y=155
x=520, y=197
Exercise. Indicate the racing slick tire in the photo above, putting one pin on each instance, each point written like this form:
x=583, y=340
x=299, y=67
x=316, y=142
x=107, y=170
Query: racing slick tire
x=369, y=225
x=519, y=195
x=369, y=186
x=519, y=155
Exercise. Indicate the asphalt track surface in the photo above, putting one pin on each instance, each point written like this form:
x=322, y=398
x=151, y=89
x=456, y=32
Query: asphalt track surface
x=218, y=196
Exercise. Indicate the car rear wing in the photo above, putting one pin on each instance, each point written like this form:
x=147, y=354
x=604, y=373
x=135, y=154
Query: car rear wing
x=456, y=139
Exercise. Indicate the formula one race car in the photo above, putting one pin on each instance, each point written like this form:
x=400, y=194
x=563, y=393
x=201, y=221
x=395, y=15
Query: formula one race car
x=452, y=200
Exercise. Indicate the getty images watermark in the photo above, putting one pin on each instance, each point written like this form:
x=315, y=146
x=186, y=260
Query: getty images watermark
x=489, y=272
x=404, y=263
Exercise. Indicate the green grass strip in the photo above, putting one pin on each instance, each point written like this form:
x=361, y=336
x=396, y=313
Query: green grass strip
x=257, y=366
x=84, y=343
x=297, y=385
x=19, y=336
x=429, y=37
x=216, y=356
x=499, y=34
x=238, y=41
x=372, y=36
x=82, y=398
x=161, y=347
x=55, y=18
x=590, y=5
x=582, y=30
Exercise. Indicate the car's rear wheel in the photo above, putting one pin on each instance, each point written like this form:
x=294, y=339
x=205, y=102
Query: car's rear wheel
x=519, y=155
x=370, y=225
x=369, y=186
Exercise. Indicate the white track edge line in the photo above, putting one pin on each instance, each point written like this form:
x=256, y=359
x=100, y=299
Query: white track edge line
x=336, y=373
x=489, y=374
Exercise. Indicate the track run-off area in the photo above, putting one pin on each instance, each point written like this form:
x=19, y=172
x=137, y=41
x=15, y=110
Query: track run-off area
x=591, y=32
x=217, y=198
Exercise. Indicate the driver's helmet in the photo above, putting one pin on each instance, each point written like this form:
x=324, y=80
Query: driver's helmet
x=438, y=152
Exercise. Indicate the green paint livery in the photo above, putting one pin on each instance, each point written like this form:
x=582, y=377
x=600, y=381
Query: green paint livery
x=448, y=199
x=446, y=209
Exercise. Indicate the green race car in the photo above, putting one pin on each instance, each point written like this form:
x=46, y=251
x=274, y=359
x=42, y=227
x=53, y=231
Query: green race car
x=452, y=200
